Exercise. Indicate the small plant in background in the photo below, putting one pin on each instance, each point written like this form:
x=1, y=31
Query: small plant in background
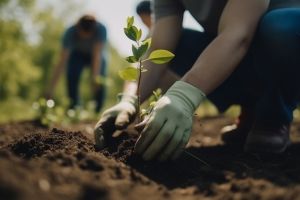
x=49, y=114
x=139, y=49
x=46, y=112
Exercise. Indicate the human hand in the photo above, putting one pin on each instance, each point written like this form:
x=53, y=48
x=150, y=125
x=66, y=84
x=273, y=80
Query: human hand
x=169, y=125
x=115, y=118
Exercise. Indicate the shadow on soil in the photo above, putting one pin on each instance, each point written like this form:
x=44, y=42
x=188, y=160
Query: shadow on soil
x=205, y=166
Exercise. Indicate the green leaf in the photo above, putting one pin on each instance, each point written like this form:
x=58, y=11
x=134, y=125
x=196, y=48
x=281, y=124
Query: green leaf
x=136, y=32
x=157, y=94
x=148, y=41
x=130, y=21
x=129, y=74
x=132, y=33
x=135, y=52
x=140, y=51
x=161, y=56
x=131, y=59
x=129, y=32
x=152, y=104
x=143, y=112
x=139, y=35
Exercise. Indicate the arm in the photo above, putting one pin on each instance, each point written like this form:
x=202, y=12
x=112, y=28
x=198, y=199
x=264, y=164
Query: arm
x=237, y=27
x=96, y=61
x=59, y=68
x=169, y=126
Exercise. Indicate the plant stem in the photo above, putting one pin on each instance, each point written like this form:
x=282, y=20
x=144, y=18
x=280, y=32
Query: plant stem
x=138, y=91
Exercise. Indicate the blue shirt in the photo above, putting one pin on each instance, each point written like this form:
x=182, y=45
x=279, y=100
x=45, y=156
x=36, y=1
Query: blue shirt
x=72, y=42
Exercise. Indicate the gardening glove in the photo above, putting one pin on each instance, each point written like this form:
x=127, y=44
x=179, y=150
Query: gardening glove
x=169, y=125
x=115, y=118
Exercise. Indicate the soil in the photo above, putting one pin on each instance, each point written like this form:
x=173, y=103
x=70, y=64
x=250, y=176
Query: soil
x=62, y=163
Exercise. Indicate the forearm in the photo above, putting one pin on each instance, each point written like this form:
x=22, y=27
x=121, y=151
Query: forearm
x=217, y=62
x=56, y=74
x=237, y=27
x=96, y=66
x=130, y=88
x=165, y=35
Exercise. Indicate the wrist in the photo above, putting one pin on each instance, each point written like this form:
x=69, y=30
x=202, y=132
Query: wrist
x=122, y=97
x=190, y=96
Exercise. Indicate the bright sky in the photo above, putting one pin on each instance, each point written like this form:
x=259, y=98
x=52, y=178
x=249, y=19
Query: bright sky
x=113, y=14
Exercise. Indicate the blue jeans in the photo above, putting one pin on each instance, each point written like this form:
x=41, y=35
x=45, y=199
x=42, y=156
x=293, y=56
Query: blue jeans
x=267, y=79
x=76, y=63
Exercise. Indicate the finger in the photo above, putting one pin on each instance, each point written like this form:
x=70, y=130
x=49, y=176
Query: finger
x=148, y=134
x=122, y=120
x=172, y=145
x=106, y=124
x=178, y=151
x=161, y=140
x=104, y=130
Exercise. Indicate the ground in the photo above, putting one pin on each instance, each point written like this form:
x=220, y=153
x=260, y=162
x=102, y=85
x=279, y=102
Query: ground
x=62, y=163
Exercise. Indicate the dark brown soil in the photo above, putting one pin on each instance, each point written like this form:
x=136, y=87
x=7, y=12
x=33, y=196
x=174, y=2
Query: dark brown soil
x=36, y=163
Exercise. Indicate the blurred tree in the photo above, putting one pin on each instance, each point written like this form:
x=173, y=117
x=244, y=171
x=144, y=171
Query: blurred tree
x=29, y=45
x=17, y=71
x=46, y=52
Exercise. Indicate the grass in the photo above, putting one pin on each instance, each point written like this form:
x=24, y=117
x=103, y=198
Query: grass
x=15, y=109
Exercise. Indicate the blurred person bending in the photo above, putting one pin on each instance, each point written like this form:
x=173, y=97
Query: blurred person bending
x=83, y=44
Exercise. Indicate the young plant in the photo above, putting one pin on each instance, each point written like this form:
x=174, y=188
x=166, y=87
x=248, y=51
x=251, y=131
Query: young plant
x=139, y=49
x=156, y=95
x=45, y=111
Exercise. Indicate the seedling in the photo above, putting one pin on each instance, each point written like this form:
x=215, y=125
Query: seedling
x=49, y=114
x=152, y=100
x=46, y=113
x=139, y=49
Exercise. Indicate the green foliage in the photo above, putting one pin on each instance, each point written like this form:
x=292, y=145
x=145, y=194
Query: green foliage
x=131, y=59
x=139, y=50
x=148, y=41
x=26, y=65
x=17, y=70
x=129, y=73
x=46, y=52
x=45, y=112
x=130, y=21
x=49, y=114
x=156, y=95
x=161, y=56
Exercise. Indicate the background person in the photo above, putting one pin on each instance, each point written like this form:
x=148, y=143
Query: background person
x=83, y=44
x=143, y=9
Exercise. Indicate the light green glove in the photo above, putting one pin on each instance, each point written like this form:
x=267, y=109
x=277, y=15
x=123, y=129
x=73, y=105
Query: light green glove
x=168, y=128
x=115, y=118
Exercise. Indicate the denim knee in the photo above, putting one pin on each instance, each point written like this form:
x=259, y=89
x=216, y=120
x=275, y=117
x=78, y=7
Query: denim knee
x=278, y=41
x=279, y=30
